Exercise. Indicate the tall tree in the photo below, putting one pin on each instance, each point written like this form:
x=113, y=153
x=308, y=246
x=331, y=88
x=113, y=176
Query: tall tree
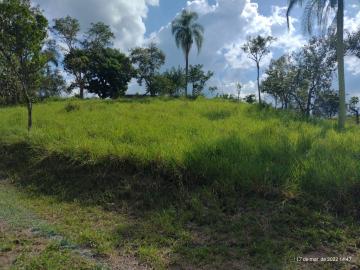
x=321, y=10
x=98, y=36
x=67, y=29
x=187, y=31
x=257, y=48
x=22, y=37
x=279, y=80
x=316, y=63
x=148, y=61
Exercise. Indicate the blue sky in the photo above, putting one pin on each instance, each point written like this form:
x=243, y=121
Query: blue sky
x=227, y=22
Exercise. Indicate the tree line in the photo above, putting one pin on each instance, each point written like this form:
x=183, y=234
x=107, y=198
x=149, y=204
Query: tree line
x=31, y=62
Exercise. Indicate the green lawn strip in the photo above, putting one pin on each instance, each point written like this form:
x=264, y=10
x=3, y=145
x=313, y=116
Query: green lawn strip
x=16, y=211
x=263, y=233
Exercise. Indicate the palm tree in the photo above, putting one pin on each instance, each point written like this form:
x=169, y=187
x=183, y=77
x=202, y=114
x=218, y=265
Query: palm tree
x=321, y=9
x=186, y=30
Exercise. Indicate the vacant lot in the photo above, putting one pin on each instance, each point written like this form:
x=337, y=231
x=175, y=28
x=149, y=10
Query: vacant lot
x=188, y=184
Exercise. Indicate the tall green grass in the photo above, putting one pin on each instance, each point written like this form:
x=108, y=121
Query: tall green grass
x=234, y=148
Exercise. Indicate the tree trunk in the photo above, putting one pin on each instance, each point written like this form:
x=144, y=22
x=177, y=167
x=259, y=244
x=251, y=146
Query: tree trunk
x=308, y=104
x=187, y=73
x=81, y=95
x=341, y=68
x=258, y=81
x=29, y=109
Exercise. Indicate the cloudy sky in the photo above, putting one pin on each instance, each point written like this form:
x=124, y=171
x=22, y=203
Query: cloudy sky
x=227, y=23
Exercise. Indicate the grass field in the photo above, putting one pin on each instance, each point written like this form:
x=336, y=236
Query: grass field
x=199, y=184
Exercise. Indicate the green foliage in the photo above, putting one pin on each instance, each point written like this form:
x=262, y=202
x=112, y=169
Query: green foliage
x=327, y=104
x=281, y=82
x=198, y=79
x=108, y=73
x=148, y=61
x=164, y=85
x=94, y=67
x=76, y=63
x=303, y=80
x=52, y=84
x=251, y=99
x=22, y=37
x=354, y=108
x=178, y=80
x=98, y=36
x=71, y=107
x=67, y=29
x=322, y=10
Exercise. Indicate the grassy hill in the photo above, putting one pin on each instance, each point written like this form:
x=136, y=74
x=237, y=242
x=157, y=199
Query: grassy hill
x=208, y=181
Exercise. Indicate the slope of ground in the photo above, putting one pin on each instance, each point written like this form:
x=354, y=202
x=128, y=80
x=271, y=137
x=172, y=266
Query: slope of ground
x=189, y=184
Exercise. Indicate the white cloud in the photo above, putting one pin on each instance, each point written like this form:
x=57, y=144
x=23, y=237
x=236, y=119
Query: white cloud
x=351, y=23
x=125, y=17
x=353, y=64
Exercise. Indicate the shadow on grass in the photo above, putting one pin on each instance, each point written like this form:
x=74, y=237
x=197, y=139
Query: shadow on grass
x=229, y=209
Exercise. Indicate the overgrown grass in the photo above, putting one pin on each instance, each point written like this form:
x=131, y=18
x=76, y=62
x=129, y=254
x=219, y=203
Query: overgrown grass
x=213, y=179
x=230, y=146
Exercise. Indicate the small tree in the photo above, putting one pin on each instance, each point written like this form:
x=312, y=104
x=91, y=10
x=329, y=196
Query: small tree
x=257, y=48
x=327, y=104
x=52, y=83
x=76, y=63
x=353, y=107
x=251, y=99
x=238, y=90
x=198, y=79
x=148, y=62
x=23, y=31
x=177, y=78
x=279, y=81
x=213, y=90
x=164, y=85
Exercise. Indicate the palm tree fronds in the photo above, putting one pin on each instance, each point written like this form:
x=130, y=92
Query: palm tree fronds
x=291, y=6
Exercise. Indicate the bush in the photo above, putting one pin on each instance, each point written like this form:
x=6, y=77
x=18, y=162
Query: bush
x=70, y=107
